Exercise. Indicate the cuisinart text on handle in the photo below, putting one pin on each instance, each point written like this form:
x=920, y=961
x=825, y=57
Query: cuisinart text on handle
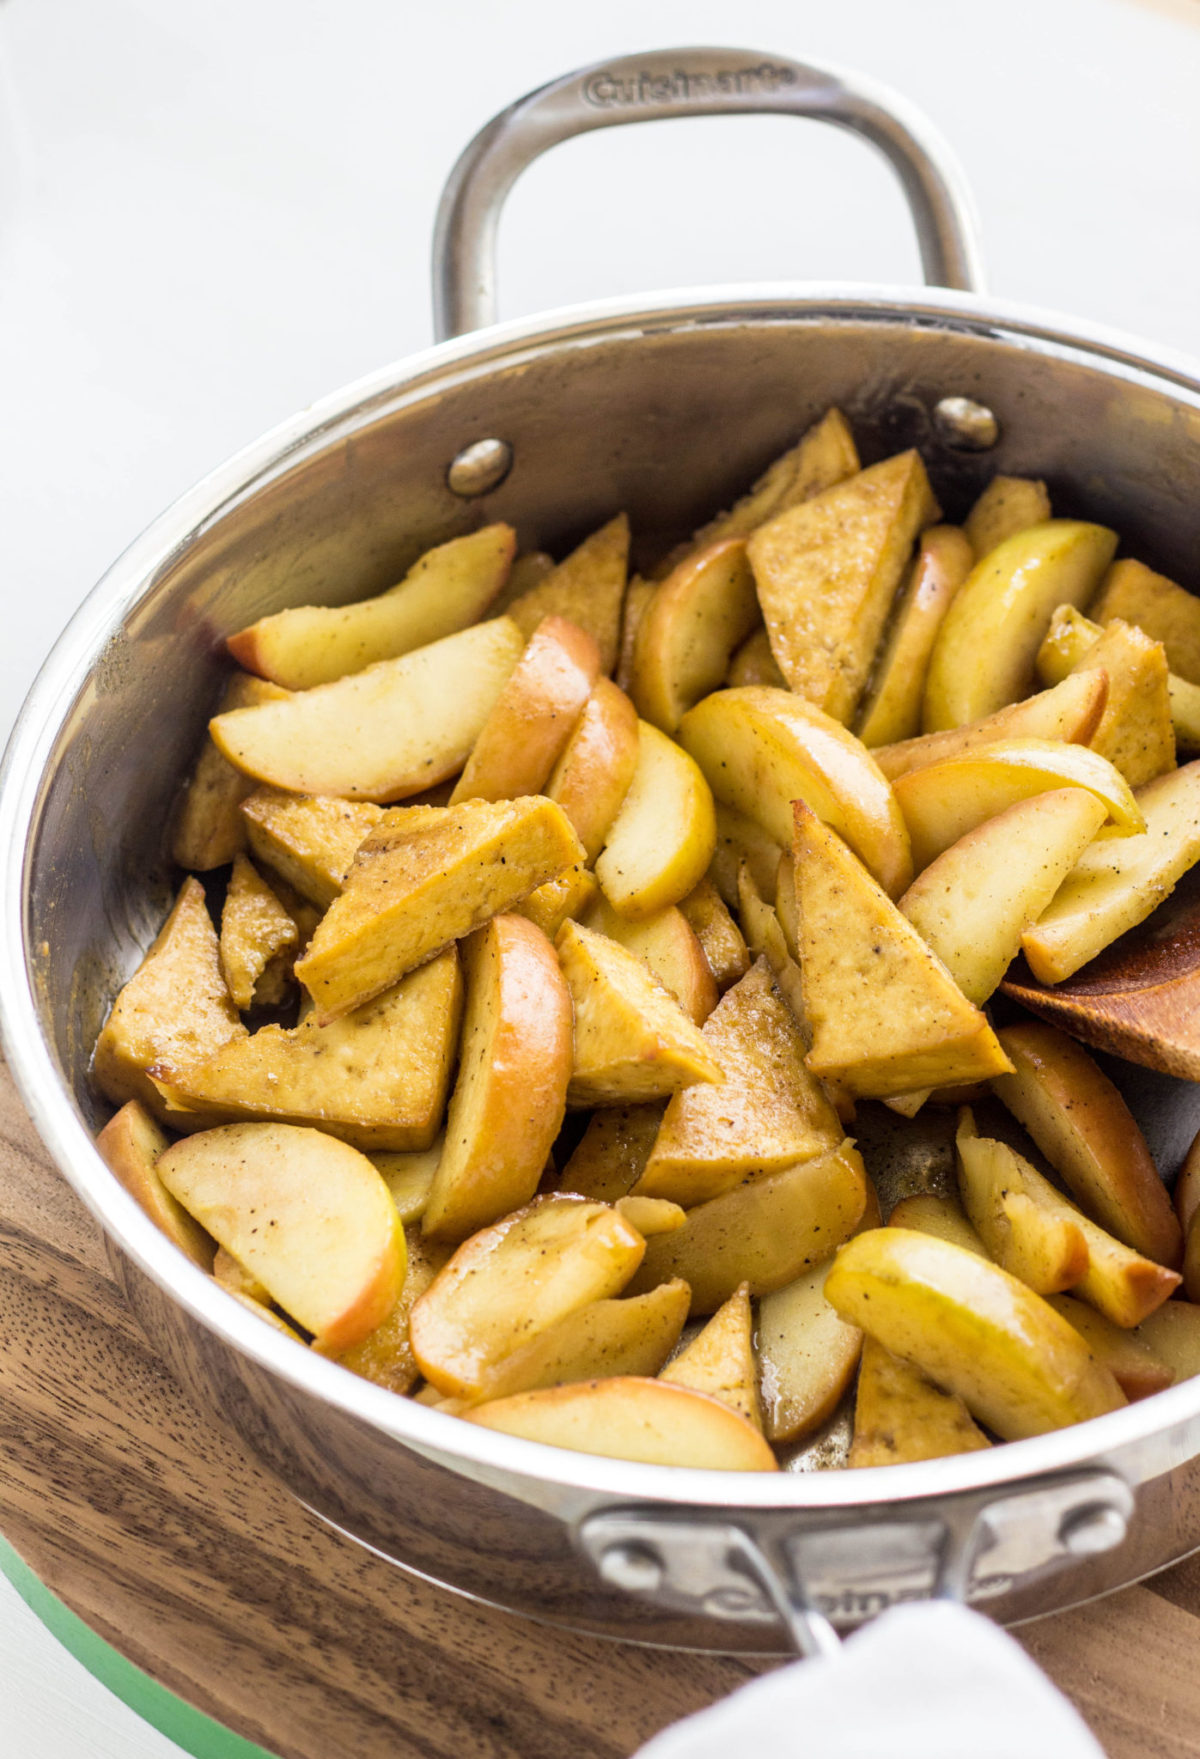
x=608, y=91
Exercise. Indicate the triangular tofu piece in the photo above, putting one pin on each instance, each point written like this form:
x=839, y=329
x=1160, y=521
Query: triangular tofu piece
x=255, y=927
x=176, y=1006
x=376, y=1078
x=973, y=904
x=824, y=456
x=208, y=829
x=886, y=1016
x=900, y=1415
x=1136, y=733
x=309, y=839
x=768, y=1113
x=827, y=572
x=720, y=1360
x=588, y=589
x=632, y=1039
x=1165, y=611
x=409, y=893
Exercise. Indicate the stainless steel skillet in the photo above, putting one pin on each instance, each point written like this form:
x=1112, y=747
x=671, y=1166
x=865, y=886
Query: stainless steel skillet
x=665, y=405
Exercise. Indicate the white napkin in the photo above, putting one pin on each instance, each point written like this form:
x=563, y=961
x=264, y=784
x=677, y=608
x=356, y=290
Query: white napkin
x=926, y=1681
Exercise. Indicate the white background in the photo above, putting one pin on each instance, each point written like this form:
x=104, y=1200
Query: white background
x=214, y=211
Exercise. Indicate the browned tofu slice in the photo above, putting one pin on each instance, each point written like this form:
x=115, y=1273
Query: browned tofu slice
x=1165, y=611
x=255, y=927
x=209, y=830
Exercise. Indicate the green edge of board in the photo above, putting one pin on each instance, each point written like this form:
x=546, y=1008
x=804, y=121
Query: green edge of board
x=188, y=1727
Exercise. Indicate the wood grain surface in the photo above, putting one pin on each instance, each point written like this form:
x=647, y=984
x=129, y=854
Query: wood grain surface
x=163, y=1534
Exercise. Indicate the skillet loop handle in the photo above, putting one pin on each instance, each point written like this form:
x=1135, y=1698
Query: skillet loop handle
x=670, y=83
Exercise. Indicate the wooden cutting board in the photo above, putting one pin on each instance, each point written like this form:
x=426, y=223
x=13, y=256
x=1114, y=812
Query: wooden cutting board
x=162, y=1533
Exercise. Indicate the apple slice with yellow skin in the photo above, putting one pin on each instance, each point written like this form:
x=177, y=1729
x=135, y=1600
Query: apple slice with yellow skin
x=1165, y=611
x=651, y=1215
x=1070, y=711
x=720, y=1360
x=594, y=773
x=632, y=1039
x=376, y=1078
x=702, y=611
x=638, y=595
x=767, y=1113
x=944, y=801
x=396, y=728
x=927, y=1212
x=1116, y=883
x=208, y=830
x=1134, y=1366
x=1045, y=1249
x=824, y=456
x=409, y=894
x=662, y=839
x=175, y=1008
x=891, y=709
x=311, y=840
x=448, y=589
x=885, y=1014
x=588, y=588
x=511, y=1282
x=974, y=1330
x=1008, y=505
x=307, y=1215
x=1071, y=637
x=901, y=1416
x=668, y=945
x=766, y=1232
x=255, y=927
x=566, y=897
x=628, y=1418
x=973, y=904
x=740, y=839
x=985, y=651
x=514, y=1065
x=761, y=749
x=130, y=1145
x=385, y=1355
x=720, y=938
x=532, y=718
x=827, y=572
x=634, y=1335
x=1173, y=1334
x=807, y=1356
x=754, y=663
x=409, y=1177
x=1088, y=1134
x=613, y=1150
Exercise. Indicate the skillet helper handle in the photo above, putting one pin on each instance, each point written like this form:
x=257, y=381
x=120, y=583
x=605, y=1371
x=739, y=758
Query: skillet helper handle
x=670, y=83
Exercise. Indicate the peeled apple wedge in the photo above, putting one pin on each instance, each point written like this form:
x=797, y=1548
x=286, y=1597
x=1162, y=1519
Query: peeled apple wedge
x=307, y=1215
x=754, y=663
x=409, y=1177
x=208, y=829
x=662, y=839
x=975, y=901
x=1088, y=1134
x=766, y=1232
x=766, y=1114
x=741, y=839
x=885, y=1014
x=1070, y=711
x=720, y=937
x=448, y=589
x=807, y=1356
x=900, y=1415
x=984, y=654
x=762, y=749
x=1045, y=1248
x=176, y=1007
x=827, y=572
x=632, y=1039
x=515, y=1061
x=396, y=728
x=593, y=775
x=130, y=1145
x=702, y=611
x=943, y=1217
x=720, y=1360
x=943, y=801
x=1014, y=1362
x=533, y=717
x=826, y=455
x=513, y=1281
x=1008, y=505
x=587, y=588
x=891, y=709
x=766, y=939
x=627, y=1418
x=1116, y=883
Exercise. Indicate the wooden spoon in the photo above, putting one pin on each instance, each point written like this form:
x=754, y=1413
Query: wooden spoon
x=1140, y=999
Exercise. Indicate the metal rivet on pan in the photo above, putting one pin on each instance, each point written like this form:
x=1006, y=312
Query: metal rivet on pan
x=633, y=1567
x=480, y=467
x=966, y=425
x=1088, y=1531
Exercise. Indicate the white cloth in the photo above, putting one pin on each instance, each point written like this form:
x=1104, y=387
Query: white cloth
x=927, y=1681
